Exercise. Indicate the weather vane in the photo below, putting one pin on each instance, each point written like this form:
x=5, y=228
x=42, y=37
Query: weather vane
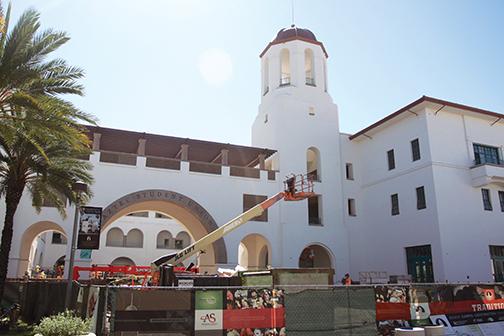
x=292, y=13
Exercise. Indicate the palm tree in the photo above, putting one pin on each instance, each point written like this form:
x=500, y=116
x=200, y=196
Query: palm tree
x=41, y=137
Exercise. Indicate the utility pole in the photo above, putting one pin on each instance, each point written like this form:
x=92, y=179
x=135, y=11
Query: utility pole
x=78, y=189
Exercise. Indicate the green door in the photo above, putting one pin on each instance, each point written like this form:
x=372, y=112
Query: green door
x=419, y=261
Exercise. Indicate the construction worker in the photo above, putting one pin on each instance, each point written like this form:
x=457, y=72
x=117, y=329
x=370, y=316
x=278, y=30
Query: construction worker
x=347, y=281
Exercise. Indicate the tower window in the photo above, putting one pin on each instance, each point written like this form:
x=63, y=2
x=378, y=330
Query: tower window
x=285, y=72
x=501, y=200
x=309, y=68
x=314, y=211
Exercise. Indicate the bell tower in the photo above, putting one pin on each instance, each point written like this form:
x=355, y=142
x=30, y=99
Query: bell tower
x=298, y=118
x=296, y=110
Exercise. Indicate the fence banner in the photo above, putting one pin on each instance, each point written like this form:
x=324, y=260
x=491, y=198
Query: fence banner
x=152, y=311
x=471, y=310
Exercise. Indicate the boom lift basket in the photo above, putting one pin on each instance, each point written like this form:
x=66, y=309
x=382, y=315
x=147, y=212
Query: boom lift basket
x=298, y=187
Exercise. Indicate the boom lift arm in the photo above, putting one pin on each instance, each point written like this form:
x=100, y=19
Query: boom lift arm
x=297, y=187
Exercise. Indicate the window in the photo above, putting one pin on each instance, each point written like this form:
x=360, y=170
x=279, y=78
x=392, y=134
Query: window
x=501, y=200
x=139, y=214
x=309, y=72
x=351, y=207
x=314, y=211
x=182, y=240
x=415, y=150
x=134, y=238
x=313, y=164
x=349, y=171
x=115, y=237
x=160, y=215
x=391, y=159
x=487, y=202
x=285, y=75
x=486, y=154
x=395, y=204
x=58, y=239
x=163, y=240
x=420, y=198
x=250, y=201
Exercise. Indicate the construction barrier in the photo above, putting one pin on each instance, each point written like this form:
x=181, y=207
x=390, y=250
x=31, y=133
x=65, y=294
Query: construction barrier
x=462, y=309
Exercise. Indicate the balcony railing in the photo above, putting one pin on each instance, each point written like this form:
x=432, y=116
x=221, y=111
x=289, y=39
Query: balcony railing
x=483, y=174
x=310, y=81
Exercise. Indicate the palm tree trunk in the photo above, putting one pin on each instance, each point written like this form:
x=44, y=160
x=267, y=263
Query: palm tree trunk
x=12, y=197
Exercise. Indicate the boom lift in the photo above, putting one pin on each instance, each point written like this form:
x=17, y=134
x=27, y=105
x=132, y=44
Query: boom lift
x=296, y=188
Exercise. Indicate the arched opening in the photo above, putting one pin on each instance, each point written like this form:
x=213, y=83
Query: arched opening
x=313, y=164
x=315, y=256
x=134, y=238
x=115, y=237
x=187, y=215
x=122, y=261
x=182, y=240
x=265, y=76
x=309, y=67
x=285, y=70
x=164, y=240
x=41, y=244
x=254, y=252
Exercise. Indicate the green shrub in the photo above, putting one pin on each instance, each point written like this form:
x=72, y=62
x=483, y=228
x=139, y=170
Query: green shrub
x=63, y=324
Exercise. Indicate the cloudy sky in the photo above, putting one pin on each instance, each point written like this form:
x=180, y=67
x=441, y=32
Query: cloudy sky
x=190, y=68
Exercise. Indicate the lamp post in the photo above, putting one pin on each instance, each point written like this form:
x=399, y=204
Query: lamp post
x=78, y=188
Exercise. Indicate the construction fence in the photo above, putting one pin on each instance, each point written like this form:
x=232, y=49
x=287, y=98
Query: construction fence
x=464, y=309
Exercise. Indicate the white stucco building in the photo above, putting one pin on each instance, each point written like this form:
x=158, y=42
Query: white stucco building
x=420, y=191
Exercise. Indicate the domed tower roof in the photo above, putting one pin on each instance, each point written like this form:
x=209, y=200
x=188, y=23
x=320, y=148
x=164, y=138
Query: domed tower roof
x=294, y=33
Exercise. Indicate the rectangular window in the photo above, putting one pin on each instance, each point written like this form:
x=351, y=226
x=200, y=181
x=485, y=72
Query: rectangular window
x=501, y=199
x=420, y=198
x=391, y=159
x=179, y=244
x=58, y=239
x=314, y=211
x=395, y=204
x=487, y=202
x=415, y=150
x=486, y=154
x=349, y=171
x=351, y=207
x=249, y=201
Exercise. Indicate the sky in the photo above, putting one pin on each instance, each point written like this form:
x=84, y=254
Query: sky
x=191, y=68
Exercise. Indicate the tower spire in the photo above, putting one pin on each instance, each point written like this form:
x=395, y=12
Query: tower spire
x=292, y=13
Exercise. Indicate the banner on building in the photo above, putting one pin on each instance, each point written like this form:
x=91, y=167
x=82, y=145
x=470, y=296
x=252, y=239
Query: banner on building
x=89, y=228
